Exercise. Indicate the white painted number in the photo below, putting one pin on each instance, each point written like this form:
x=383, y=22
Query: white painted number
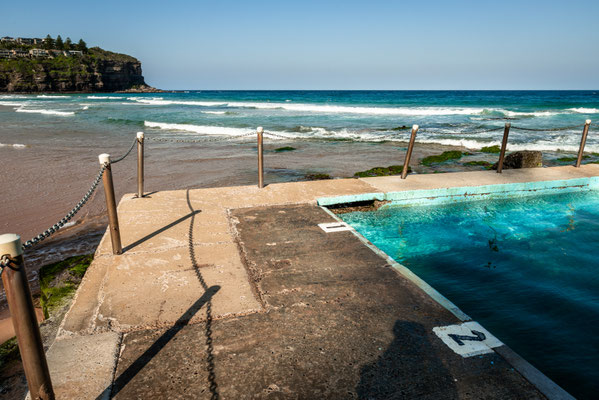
x=467, y=339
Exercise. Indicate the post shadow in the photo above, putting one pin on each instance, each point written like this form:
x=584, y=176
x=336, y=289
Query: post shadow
x=159, y=231
x=206, y=300
x=409, y=368
x=126, y=376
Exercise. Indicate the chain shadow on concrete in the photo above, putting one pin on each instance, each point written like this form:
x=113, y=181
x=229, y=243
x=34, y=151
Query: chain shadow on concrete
x=126, y=376
x=213, y=386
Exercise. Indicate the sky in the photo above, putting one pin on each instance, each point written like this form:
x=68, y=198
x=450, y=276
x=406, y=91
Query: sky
x=367, y=44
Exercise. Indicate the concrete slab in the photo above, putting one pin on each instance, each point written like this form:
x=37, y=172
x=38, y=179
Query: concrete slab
x=324, y=335
x=82, y=367
x=338, y=322
x=280, y=193
x=142, y=290
x=479, y=178
x=154, y=231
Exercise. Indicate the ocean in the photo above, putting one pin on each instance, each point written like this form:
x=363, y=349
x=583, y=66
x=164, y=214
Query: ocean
x=445, y=117
x=49, y=144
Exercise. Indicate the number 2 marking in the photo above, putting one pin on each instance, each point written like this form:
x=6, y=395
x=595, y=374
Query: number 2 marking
x=459, y=339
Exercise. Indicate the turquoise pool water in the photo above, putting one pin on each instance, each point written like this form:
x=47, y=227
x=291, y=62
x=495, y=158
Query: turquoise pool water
x=527, y=269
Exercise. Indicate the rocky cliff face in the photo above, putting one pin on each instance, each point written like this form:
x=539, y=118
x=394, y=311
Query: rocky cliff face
x=98, y=71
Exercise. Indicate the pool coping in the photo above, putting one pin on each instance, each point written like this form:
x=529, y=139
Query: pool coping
x=466, y=193
x=544, y=384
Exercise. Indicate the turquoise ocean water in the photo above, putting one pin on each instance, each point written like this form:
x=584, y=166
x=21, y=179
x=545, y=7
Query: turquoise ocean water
x=526, y=269
x=446, y=117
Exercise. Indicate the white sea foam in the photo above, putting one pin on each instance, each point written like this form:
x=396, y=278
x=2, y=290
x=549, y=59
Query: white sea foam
x=584, y=110
x=85, y=108
x=202, y=129
x=339, y=109
x=323, y=108
x=214, y=112
x=161, y=102
x=44, y=96
x=46, y=112
x=15, y=145
x=10, y=104
x=529, y=113
x=103, y=97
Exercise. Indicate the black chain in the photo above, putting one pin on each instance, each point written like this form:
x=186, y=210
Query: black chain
x=126, y=154
x=465, y=132
x=563, y=128
x=278, y=136
x=218, y=139
x=54, y=228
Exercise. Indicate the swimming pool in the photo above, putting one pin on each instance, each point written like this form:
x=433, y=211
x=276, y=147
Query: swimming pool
x=521, y=260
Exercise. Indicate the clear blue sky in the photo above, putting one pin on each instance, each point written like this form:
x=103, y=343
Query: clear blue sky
x=334, y=44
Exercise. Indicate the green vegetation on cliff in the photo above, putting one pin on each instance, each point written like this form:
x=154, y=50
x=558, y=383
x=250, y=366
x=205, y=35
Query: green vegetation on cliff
x=96, y=70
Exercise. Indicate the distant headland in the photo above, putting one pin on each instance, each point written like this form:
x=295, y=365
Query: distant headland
x=35, y=65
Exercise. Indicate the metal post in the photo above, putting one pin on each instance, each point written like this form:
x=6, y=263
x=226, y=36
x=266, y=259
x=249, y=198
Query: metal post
x=18, y=295
x=260, y=132
x=583, y=141
x=506, y=132
x=113, y=219
x=406, y=164
x=140, y=164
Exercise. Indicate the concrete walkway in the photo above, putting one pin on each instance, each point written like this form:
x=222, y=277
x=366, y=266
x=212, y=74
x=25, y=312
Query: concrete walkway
x=236, y=292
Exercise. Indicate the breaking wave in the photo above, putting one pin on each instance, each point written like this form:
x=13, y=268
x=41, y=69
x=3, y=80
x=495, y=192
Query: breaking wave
x=343, y=109
x=202, y=129
x=46, y=112
x=104, y=97
x=583, y=110
x=321, y=108
x=10, y=104
x=15, y=145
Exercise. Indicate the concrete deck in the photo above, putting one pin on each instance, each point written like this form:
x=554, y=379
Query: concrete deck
x=236, y=292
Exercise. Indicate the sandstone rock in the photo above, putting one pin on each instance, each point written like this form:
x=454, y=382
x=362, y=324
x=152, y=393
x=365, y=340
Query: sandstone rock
x=522, y=159
x=100, y=71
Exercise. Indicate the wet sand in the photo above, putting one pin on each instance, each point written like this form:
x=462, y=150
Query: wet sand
x=7, y=331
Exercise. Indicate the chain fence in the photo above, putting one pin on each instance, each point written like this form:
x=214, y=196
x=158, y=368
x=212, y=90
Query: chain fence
x=563, y=128
x=204, y=140
x=465, y=132
x=54, y=228
x=121, y=158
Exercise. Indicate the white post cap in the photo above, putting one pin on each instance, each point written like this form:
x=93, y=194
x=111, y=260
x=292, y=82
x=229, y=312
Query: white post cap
x=415, y=127
x=140, y=135
x=260, y=129
x=104, y=158
x=10, y=244
x=588, y=122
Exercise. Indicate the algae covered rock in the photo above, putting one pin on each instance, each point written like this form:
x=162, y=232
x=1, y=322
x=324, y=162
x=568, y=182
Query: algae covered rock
x=445, y=156
x=491, y=149
x=381, y=171
x=522, y=159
